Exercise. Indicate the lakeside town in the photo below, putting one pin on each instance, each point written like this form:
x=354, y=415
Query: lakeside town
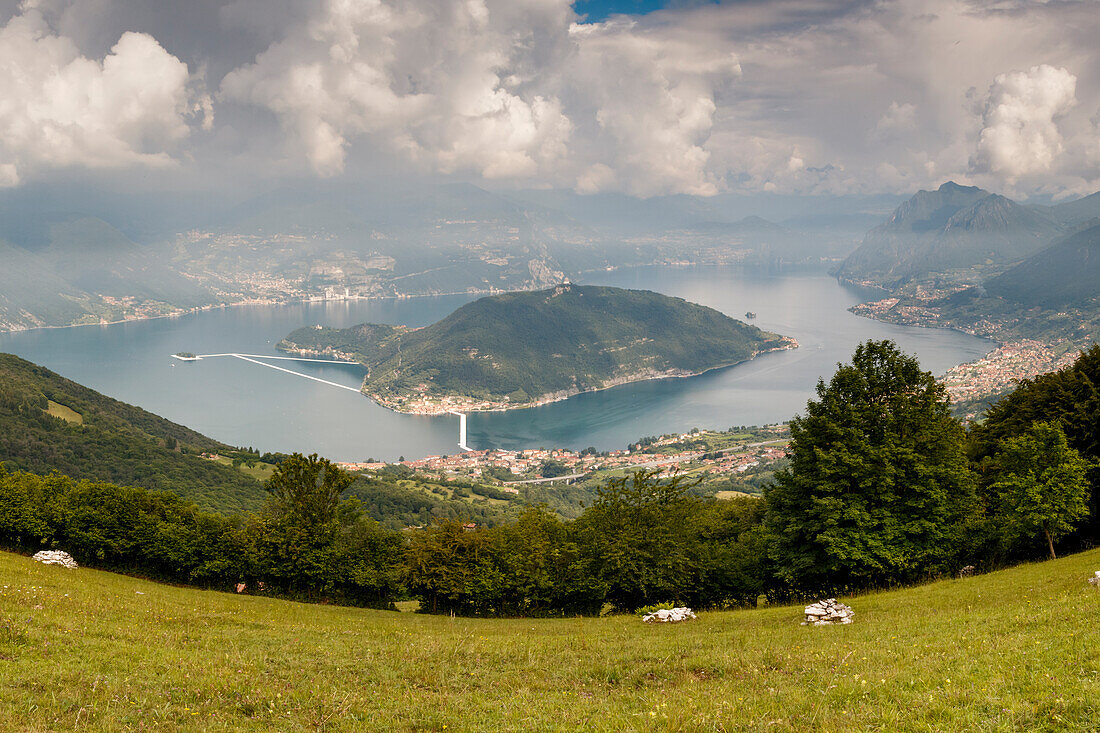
x=999, y=370
x=705, y=454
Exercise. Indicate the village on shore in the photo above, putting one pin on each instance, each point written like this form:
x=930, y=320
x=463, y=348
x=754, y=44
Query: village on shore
x=703, y=453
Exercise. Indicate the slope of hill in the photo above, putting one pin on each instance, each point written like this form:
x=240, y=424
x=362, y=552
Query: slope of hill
x=955, y=227
x=520, y=349
x=48, y=423
x=1075, y=213
x=1011, y=650
x=1066, y=273
x=1053, y=296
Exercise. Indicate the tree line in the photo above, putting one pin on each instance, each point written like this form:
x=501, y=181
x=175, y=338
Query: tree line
x=883, y=487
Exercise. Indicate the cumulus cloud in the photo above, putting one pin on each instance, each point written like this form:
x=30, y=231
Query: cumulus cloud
x=793, y=96
x=1020, y=134
x=653, y=92
x=898, y=119
x=511, y=89
x=454, y=86
x=59, y=108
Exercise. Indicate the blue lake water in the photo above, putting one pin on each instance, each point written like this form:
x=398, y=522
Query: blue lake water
x=245, y=404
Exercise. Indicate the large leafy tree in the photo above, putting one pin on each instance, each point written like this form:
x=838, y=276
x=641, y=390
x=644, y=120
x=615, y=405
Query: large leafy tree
x=878, y=489
x=1069, y=397
x=1041, y=484
x=637, y=539
x=308, y=488
x=298, y=544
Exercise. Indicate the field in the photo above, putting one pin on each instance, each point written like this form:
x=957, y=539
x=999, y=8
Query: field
x=1009, y=651
x=65, y=413
x=259, y=471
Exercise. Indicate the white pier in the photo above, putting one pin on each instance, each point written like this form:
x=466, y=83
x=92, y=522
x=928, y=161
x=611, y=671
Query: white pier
x=461, y=429
x=254, y=358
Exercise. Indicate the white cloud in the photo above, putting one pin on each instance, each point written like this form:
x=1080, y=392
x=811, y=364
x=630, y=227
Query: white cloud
x=653, y=92
x=507, y=89
x=810, y=96
x=1020, y=134
x=59, y=108
x=455, y=86
x=899, y=119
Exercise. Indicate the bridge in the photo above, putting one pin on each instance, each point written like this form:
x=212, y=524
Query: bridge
x=254, y=358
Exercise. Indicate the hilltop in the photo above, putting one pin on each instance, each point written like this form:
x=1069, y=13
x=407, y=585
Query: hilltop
x=524, y=349
x=49, y=423
x=1011, y=650
x=950, y=229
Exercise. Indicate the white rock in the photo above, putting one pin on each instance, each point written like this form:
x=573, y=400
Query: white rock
x=1095, y=580
x=827, y=612
x=669, y=615
x=55, y=557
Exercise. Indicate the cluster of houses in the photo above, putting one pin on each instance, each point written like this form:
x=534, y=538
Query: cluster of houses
x=527, y=463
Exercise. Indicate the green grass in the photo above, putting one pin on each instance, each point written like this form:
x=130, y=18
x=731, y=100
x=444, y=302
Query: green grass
x=65, y=413
x=1017, y=650
x=260, y=471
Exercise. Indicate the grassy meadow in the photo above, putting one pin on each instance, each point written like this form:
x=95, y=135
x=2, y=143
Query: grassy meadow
x=1016, y=650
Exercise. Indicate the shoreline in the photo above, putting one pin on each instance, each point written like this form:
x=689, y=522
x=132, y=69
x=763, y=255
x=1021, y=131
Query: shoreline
x=313, y=299
x=791, y=344
x=266, y=304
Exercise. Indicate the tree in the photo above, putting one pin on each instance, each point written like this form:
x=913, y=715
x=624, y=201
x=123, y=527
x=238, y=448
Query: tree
x=553, y=469
x=1069, y=397
x=878, y=489
x=297, y=546
x=308, y=488
x=1041, y=484
x=636, y=539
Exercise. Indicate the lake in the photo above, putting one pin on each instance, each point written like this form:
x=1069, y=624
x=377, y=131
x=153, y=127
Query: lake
x=248, y=405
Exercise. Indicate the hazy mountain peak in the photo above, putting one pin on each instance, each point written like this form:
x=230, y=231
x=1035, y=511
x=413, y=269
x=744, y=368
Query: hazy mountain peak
x=949, y=187
x=931, y=210
x=995, y=213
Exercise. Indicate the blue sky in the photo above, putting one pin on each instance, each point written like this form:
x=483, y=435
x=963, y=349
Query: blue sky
x=597, y=10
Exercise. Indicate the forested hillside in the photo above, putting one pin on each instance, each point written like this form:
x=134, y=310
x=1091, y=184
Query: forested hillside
x=48, y=423
x=1052, y=296
x=519, y=348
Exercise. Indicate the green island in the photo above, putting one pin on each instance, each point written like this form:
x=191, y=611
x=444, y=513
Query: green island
x=525, y=349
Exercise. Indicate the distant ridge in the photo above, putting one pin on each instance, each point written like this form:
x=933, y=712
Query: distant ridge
x=1067, y=273
x=953, y=227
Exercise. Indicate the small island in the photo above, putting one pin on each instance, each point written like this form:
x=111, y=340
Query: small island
x=185, y=356
x=525, y=349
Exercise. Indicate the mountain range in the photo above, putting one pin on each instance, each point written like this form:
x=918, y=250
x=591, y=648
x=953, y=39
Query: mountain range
x=959, y=232
x=963, y=257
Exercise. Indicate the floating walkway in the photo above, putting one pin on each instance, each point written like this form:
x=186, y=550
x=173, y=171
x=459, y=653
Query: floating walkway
x=461, y=429
x=255, y=359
